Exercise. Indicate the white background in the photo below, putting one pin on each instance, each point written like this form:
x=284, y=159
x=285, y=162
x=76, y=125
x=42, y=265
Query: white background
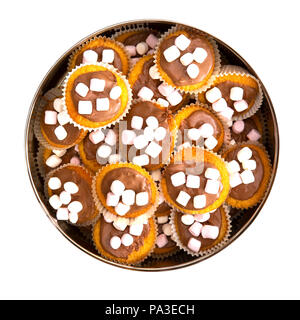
x=37, y=262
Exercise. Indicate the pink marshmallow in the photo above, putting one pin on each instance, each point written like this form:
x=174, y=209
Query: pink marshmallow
x=75, y=160
x=161, y=240
x=152, y=40
x=195, y=229
x=131, y=50
x=210, y=232
x=238, y=126
x=134, y=60
x=165, y=90
x=194, y=245
x=240, y=105
x=96, y=136
x=128, y=137
x=50, y=117
x=253, y=135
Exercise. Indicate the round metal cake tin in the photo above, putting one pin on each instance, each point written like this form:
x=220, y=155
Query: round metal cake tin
x=240, y=221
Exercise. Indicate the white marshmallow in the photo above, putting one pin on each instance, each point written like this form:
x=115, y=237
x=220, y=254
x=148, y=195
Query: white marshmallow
x=102, y=104
x=96, y=136
x=236, y=93
x=108, y=56
x=193, y=181
x=97, y=85
x=249, y=165
x=162, y=219
x=194, y=134
x=183, y=198
x=136, y=229
x=75, y=206
x=50, y=117
x=65, y=197
x=108, y=218
x=71, y=187
x=120, y=224
x=240, y=105
x=227, y=113
x=210, y=232
x=53, y=161
x=160, y=133
x=73, y=217
x=131, y=50
x=55, y=202
x=115, y=93
x=206, y=130
x=187, y=59
x=199, y=55
x=142, y=48
x=59, y=153
x=149, y=134
x=128, y=197
x=152, y=122
x=174, y=98
x=137, y=122
x=247, y=177
x=142, y=198
x=195, y=229
x=127, y=240
x=115, y=242
x=244, y=154
x=165, y=89
x=213, y=95
x=58, y=105
x=54, y=183
x=117, y=187
x=153, y=150
x=187, y=219
x=167, y=230
x=140, y=142
x=142, y=160
x=202, y=217
x=128, y=137
x=212, y=186
x=145, y=93
x=193, y=71
x=62, y=214
x=233, y=167
x=235, y=180
x=199, y=201
x=121, y=209
x=182, y=42
x=153, y=73
x=163, y=102
x=60, y=133
x=104, y=151
x=112, y=199
x=219, y=105
x=178, y=179
x=111, y=138
x=194, y=245
x=90, y=57
x=114, y=158
x=85, y=107
x=211, y=142
x=63, y=118
x=211, y=173
x=82, y=89
x=171, y=54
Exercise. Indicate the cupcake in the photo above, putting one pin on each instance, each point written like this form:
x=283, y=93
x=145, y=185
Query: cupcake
x=124, y=191
x=235, y=93
x=187, y=59
x=50, y=159
x=164, y=245
x=52, y=126
x=129, y=245
x=99, y=148
x=149, y=134
x=146, y=84
x=249, y=168
x=70, y=194
x=96, y=96
x=199, y=126
x=201, y=234
x=195, y=181
x=101, y=49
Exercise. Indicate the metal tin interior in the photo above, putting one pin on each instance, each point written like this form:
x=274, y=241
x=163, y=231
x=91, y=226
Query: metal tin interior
x=240, y=222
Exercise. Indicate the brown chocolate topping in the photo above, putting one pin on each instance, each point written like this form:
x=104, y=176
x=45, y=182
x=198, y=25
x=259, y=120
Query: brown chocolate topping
x=107, y=231
x=174, y=191
x=241, y=137
x=163, y=207
x=117, y=63
x=84, y=195
x=177, y=71
x=216, y=219
x=48, y=129
x=110, y=82
x=246, y=191
x=132, y=179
